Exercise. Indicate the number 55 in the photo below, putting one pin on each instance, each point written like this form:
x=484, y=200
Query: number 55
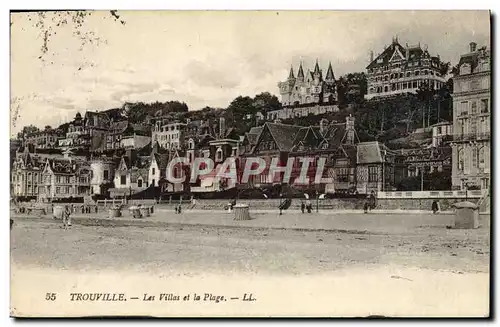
x=50, y=297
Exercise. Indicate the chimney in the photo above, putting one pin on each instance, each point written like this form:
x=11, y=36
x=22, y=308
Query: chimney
x=222, y=127
x=472, y=46
x=349, y=122
x=407, y=52
x=371, y=56
x=323, y=125
x=350, y=131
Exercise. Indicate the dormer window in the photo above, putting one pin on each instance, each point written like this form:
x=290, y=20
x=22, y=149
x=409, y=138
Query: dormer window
x=465, y=69
x=191, y=144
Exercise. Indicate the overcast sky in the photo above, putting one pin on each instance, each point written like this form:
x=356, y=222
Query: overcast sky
x=206, y=58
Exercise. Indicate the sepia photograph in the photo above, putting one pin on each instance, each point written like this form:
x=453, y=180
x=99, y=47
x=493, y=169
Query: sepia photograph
x=307, y=163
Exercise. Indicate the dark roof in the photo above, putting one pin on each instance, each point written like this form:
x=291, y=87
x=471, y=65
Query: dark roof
x=334, y=135
x=308, y=137
x=368, y=152
x=414, y=52
x=473, y=58
x=284, y=135
x=162, y=160
x=119, y=126
x=252, y=138
x=351, y=152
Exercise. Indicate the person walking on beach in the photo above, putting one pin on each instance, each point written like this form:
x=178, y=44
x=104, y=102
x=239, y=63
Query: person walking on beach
x=302, y=207
x=66, y=215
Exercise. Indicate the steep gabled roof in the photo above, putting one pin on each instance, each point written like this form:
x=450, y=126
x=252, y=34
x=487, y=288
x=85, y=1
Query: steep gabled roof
x=307, y=137
x=162, y=160
x=283, y=135
x=414, y=52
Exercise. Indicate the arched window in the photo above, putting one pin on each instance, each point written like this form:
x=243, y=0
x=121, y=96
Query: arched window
x=218, y=155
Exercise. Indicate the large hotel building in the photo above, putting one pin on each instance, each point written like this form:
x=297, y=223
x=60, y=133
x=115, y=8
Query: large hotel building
x=472, y=120
x=399, y=70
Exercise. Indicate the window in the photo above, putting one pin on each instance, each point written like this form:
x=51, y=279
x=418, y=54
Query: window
x=153, y=183
x=473, y=107
x=475, y=155
x=415, y=84
x=460, y=160
x=218, y=155
x=123, y=179
x=106, y=174
x=139, y=183
x=58, y=189
x=408, y=74
x=481, y=157
x=484, y=106
x=464, y=108
x=417, y=73
x=153, y=170
x=343, y=175
x=372, y=174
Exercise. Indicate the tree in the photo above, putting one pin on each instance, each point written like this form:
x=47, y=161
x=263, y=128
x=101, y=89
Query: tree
x=348, y=87
x=425, y=94
x=444, y=68
x=237, y=111
x=30, y=129
x=455, y=70
x=265, y=102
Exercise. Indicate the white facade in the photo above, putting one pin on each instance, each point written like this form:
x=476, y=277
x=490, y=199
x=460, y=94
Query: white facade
x=154, y=173
x=440, y=131
x=168, y=136
x=103, y=172
x=472, y=120
x=134, y=141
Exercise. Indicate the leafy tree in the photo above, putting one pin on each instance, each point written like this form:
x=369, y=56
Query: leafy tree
x=265, y=102
x=455, y=70
x=237, y=113
x=444, y=68
x=27, y=130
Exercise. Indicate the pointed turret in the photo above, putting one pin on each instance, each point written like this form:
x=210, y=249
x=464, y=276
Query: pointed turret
x=291, y=76
x=300, y=74
x=329, y=74
x=316, y=68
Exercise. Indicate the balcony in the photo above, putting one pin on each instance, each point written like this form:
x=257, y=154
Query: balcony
x=472, y=137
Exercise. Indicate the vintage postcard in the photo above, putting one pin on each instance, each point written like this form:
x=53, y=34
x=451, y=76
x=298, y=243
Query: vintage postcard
x=250, y=163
